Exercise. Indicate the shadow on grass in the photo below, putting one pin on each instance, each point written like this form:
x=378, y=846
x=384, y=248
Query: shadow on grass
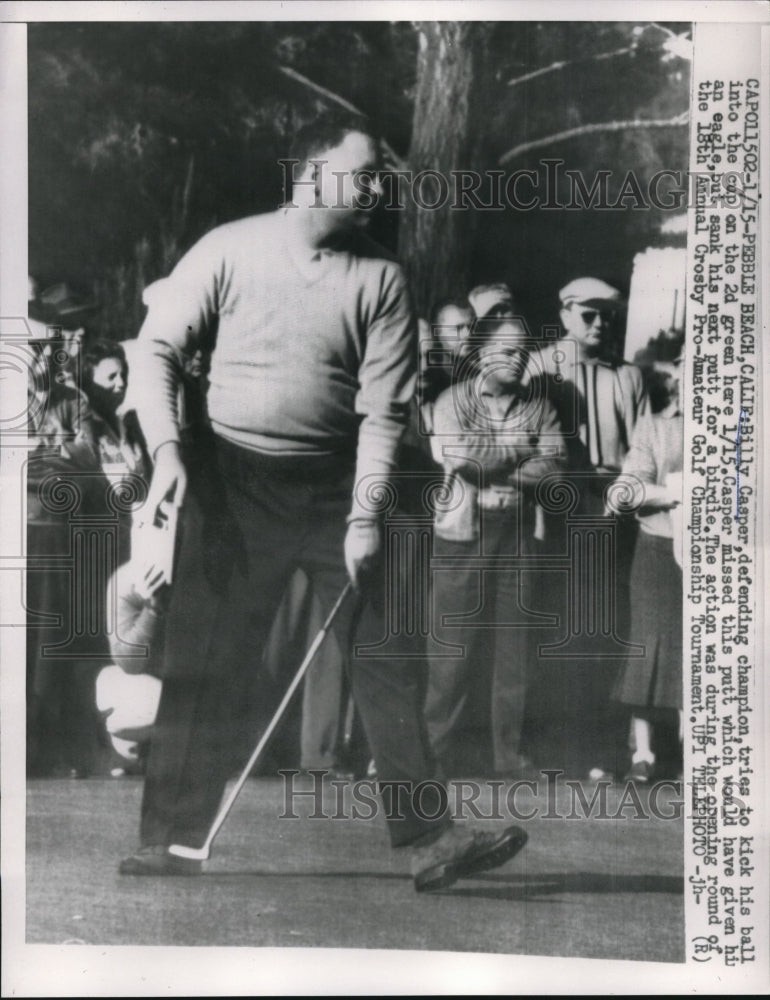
x=498, y=886
x=262, y=873
x=518, y=887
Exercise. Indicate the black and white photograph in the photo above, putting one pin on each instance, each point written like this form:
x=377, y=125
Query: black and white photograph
x=382, y=489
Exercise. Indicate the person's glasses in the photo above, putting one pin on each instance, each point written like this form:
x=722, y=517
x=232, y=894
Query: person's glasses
x=589, y=316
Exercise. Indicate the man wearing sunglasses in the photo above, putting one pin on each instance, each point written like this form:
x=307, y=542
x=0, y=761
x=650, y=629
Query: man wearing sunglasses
x=598, y=398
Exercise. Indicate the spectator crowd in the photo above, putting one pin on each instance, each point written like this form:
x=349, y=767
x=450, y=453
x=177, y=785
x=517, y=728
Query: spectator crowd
x=544, y=591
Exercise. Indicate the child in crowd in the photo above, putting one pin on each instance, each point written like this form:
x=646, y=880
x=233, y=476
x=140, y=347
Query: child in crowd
x=128, y=691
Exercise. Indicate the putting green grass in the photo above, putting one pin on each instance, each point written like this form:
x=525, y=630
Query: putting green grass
x=594, y=888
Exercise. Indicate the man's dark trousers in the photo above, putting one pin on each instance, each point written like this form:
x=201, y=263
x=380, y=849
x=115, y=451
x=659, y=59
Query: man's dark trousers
x=248, y=521
x=486, y=650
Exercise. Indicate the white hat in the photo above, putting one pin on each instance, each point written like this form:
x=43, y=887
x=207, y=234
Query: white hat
x=589, y=291
x=485, y=298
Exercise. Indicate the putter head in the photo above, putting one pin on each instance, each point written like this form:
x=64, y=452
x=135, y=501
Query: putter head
x=191, y=853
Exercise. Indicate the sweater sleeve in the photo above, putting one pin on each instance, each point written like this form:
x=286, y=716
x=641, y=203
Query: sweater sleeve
x=182, y=312
x=640, y=460
x=462, y=449
x=640, y=401
x=387, y=378
x=550, y=452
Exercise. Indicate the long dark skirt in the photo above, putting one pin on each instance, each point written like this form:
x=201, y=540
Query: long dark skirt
x=654, y=680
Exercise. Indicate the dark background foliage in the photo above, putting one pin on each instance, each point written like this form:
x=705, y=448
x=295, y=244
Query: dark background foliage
x=142, y=136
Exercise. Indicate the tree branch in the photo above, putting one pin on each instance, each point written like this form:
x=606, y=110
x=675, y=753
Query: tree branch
x=568, y=62
x=671, y=37
x=395, y=162
x=328, y=94
x=666, y=31
x=591, y=129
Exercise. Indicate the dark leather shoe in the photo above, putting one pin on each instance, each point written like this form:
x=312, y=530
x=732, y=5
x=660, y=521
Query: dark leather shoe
x=640, y=773
x=460, y=853
x=157, y=860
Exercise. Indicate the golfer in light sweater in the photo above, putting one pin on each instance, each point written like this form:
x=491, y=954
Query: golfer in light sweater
x=313, y=365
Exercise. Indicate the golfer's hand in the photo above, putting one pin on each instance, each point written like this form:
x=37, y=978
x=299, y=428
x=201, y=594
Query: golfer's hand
x=150, y=581
x=169, y=477
x=362, y=548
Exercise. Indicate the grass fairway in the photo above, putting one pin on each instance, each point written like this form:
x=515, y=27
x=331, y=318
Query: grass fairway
x=594, y=888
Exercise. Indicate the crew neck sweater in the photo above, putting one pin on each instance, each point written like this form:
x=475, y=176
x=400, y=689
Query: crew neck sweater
x=312, y=353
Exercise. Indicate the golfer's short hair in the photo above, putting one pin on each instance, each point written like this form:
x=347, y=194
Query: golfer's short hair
x=325, y=132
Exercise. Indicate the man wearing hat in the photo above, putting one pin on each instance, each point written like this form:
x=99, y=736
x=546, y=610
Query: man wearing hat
x=598, y=398
x=57, y=316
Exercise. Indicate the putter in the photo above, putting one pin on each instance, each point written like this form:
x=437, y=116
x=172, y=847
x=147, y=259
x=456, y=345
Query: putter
x=203, y=853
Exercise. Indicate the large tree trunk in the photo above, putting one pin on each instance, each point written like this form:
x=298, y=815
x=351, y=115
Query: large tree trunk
x=435, y=245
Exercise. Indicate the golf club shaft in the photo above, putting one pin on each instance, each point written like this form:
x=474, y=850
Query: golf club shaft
x=203, y=852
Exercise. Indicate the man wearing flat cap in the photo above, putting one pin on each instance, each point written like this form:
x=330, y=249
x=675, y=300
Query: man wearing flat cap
x=598, y=398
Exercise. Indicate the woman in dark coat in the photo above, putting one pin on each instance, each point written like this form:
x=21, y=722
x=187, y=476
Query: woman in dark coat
x=652, y=684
